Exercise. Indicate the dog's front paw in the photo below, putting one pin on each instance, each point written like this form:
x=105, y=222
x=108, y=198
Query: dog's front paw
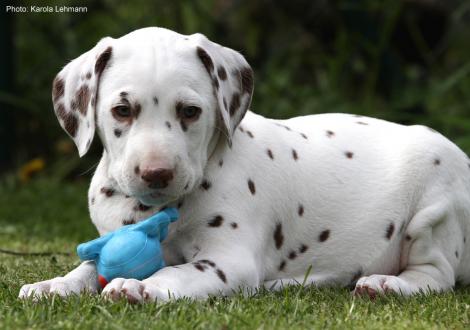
x=133, y=290
x=381, y=284
x=60, y=286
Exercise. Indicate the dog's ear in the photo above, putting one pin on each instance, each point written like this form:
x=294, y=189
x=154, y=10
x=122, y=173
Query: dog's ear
x=232, y=81
x=75, y=93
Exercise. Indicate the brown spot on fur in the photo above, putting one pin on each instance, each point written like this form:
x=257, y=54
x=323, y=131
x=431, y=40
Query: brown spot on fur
x=361, y=123
x=205, y=59
x=205, y=261
x=58, y=88
x=117, y=132
x=243, y=131
x=83, y=98
x=198, y=267
x=278, y=236
x=107, y=191
x=303, y=248
x=304, y=136
x=234, y=103
x=251, y=186
x=408, y=237
x=221, y=72
x=250, y=134
x=300, y=210
x=282, y=265
x=221, y=163
x=103, y=60
x=292, y=255
x=92, y=200
x=126, y=222
x=437, y=161
x=155, y=100
x=330, y=133
x=88, y=75
x=180, y=204
x=349, y=154
x=205, y=185
x=71, y=124
x=234, y=225
x=294, y=154
x=221, y=275
x=287, y=128
x=216, y=221
x=137, y=170
x=457, y=254
x=324, y=235
x=70, y=121
x=270, y=153
x=390, y=230
x=168, y=124
x=247, y=80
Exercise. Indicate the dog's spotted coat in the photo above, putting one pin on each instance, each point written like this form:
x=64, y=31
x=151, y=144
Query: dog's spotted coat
x=348, y=200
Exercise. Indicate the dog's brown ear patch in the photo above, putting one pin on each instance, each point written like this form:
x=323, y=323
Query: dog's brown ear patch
x=69, y=119
x=222, y=73
x=58, y=88
x=102, y=60
x=232, y=82
x=247, y=80
x=75, y=92
x=206, y=60
x=82, y=99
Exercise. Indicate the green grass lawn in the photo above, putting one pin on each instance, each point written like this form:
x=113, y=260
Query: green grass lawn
x=45, y=215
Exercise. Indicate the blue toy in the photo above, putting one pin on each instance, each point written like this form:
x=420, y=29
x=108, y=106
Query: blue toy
x=132, y=251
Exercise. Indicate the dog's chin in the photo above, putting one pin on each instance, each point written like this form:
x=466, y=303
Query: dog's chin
x=156, y=199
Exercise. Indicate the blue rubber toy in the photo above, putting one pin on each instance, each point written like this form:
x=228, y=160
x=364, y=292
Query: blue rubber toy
x=132, y=251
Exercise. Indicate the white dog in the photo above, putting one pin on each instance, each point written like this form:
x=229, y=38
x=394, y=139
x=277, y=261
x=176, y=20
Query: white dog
x=341, y=199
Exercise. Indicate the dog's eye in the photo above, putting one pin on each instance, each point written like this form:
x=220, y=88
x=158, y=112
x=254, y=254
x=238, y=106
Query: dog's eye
x=122, y=111
x=190, y=112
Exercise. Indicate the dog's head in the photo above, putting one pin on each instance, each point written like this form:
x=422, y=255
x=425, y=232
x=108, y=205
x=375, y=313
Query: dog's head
x=159, y=101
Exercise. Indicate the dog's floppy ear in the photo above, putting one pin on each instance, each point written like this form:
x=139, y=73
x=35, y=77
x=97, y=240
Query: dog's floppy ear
x=75, y=93
x=232, y=81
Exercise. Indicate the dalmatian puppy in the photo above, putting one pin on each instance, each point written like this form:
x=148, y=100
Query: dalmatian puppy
x=332, y=199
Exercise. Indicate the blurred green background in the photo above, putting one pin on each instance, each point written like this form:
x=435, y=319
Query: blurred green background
x=405, y=61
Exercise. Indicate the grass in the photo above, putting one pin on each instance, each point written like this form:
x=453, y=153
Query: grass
x=47, y=215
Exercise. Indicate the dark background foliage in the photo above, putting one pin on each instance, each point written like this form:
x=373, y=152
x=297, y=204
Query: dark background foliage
x=405, y=61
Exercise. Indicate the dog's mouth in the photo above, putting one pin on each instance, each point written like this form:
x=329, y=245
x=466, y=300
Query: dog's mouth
x=156, y=198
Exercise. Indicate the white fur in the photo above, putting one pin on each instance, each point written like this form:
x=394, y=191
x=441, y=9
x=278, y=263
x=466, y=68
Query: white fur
x=335, y=185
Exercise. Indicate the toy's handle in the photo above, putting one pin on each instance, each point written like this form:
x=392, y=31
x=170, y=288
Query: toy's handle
x=157, y=225
x=91, y=250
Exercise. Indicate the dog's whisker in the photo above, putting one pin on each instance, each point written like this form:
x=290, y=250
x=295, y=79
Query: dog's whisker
x=89, y=169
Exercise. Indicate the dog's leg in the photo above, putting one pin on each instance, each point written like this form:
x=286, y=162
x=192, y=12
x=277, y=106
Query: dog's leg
x=83, y=278
x=211, y=275
x=430, y=260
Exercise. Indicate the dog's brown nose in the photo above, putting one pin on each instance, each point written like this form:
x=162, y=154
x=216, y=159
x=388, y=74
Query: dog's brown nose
x=157, y=178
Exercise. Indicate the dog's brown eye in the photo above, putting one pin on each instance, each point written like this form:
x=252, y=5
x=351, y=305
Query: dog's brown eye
x=190, y=112
x=122, y=111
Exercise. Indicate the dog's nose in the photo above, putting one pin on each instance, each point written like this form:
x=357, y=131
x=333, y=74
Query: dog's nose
x=157, y=178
